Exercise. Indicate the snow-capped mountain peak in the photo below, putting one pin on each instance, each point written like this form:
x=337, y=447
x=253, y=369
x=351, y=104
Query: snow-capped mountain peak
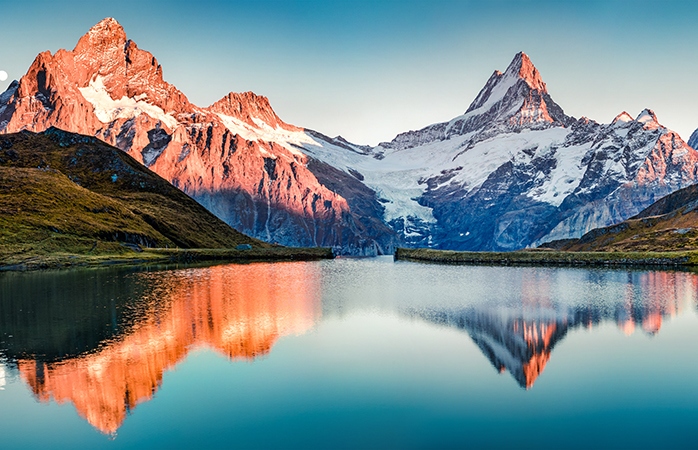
x=515, y=99
x=251, y=109
x=515, y=171
x=622, y=118
x=649, y=119
x=509, y=102
x=525, y=70
x=499, y=84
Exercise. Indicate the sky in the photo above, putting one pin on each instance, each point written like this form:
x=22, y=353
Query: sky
x=368, y=70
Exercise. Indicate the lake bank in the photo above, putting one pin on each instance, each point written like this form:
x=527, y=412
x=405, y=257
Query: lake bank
x=552, y=258
x=147, y=256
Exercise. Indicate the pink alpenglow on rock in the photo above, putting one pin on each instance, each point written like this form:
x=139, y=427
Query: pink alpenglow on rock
x=236, y=157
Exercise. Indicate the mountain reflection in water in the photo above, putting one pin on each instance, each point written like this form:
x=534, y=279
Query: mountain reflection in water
x=102, y=340
x=237, y=310
x=521, y=340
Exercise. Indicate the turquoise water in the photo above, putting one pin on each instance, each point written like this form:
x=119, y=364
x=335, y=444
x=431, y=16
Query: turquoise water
x=349, y=353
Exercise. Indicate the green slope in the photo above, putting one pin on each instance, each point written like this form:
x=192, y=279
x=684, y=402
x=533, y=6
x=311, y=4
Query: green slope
x=669, y=224
x=66, y=193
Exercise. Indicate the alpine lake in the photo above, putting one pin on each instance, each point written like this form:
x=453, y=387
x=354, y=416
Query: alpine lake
x=348, y=353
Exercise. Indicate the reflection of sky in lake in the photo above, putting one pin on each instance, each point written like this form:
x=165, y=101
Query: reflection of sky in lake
x=402, y=352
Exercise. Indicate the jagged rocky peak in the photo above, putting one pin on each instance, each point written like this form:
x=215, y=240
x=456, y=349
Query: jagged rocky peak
x=648, y=118
x=622, y=118
x=499, y=84
x=250, y=108
x=106, y=35
x=509, y=102
x=105, y=78
x=646, y=115
x=693, y=140
x=101, y=53
x=516, y=98
x=105, y=60
x=524, y=68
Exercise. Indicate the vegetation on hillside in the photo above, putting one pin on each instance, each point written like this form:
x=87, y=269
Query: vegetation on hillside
x=66, y=195
x=551, y=257
x=670, y=224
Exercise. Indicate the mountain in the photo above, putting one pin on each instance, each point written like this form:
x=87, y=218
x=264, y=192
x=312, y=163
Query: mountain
x=521, y=345
x=89, y=341
x=107, y=353
x=671, y=223
x=520, y=339
x=61, y=191
x=693, y=140
x=236, y=157
x=513, y=171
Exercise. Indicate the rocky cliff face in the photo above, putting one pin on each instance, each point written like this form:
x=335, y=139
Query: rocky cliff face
x=236, y=157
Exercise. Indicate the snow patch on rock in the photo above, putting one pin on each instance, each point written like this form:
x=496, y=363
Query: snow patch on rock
x=290, y=140
x=107, y=109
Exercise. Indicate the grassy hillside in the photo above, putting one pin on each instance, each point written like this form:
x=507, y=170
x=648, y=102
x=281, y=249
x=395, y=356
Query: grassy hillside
x=62, y=193
x=550, y=257
x=670, y=224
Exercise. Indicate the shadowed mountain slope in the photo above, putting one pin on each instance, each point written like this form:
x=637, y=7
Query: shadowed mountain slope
x=60, y=190
x=670, y=223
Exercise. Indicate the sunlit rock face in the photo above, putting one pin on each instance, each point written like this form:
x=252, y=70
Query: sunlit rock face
x=236, y=157
x=521, y=340
x=513, y=171
x=237, y=311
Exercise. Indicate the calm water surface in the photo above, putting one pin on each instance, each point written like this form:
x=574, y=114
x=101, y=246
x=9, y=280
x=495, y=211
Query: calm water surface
x=349, y=353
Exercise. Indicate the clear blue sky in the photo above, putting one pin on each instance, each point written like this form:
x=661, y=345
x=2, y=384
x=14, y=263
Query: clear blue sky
x=370, y=69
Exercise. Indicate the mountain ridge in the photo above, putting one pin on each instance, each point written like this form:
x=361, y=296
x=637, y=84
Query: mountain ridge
x=513, y=171
x=237, y=157
x=488, y=181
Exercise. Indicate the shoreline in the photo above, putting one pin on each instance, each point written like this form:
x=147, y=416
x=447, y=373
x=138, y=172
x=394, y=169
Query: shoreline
x=550, y=258
x=149, y=256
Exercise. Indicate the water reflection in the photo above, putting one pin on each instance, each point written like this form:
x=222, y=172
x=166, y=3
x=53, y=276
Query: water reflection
x=520, y=339
x=238, y=311
x=58, y=315
x=102, y=340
